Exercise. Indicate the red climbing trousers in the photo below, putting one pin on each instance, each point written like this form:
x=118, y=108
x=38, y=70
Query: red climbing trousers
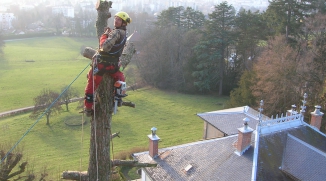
x=91, y=87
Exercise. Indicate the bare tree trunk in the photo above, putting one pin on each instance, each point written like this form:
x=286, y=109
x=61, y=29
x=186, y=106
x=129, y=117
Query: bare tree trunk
x=99, y=167
x=99, y=161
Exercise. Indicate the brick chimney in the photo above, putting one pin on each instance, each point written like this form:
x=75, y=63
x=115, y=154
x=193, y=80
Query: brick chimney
x=244, y=137
x=292, y=111
x=153, y=143
x=316, y=117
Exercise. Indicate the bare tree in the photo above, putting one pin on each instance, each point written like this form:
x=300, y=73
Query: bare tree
x=66, y=97
x=316, y=38
x=278, y=78
x=12, y=167
x=42, y=102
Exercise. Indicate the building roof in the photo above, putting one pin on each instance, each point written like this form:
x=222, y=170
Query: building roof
x=297, y=153
x=281, y=148
x=229, y=120
x=206, y=160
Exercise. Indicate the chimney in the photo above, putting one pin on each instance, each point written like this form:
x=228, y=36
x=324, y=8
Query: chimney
x=153, y=143
x=316, y=117
x=244, y=137
x=292, y=111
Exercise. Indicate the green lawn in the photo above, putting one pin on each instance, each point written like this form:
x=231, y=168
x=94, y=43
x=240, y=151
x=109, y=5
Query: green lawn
x=59, y=147
x=56, y=61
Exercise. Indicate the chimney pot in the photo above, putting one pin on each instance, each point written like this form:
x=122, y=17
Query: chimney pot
x=153, y=129
x=246, y=120
x=153, y=143
x=316, y=117
x=244, y=138
x=292, y=111
x=317, y=109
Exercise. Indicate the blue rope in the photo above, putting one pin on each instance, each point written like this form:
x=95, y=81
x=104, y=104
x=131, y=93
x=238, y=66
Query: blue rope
x=42, y=115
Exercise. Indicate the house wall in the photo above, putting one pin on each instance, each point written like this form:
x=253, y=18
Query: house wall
x=211, y=132
x=144, y=176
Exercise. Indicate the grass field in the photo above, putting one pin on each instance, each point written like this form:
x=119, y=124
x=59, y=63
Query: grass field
x=30, y=65
x=60, y=147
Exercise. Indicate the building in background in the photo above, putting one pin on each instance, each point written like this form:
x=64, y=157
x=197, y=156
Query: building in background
x=5, y=20
x=67, y=11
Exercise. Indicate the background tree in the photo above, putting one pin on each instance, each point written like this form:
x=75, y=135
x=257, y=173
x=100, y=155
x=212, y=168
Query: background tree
x=2, y=42
x=318, y=6
x=286, y=16
x=191, y=19
x=166, y=56
x=278, y=72
x=66, y=97
x=159, y=64
x=58, y=22
x=13, y=166
x=42, y=103
x=250, y=28
x=316, y=65
x=170, y=17
x=212, y=50
x=242, y=95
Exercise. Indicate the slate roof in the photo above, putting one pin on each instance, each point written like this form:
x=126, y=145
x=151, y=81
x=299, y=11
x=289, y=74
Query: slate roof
x=210, y=160
x=229, y=120
x=286, y=149
x=303, y=143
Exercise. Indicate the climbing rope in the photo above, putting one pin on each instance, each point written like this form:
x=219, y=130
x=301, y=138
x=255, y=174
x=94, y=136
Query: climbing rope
x=47, y=109
x=94, y=116
x=111, y=148
x=81, y=147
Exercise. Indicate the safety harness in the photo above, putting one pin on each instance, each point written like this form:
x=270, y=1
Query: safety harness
x=109, y=60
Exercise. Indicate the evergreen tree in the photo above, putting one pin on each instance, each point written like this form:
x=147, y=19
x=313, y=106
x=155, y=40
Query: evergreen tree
x=242, y=95
x=286, y=16
x=170, y=17
x=212, y=51
x=192, y=19
x=250, y=29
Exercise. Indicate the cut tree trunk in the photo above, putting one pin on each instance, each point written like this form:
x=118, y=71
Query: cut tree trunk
x=99, y=151
x=100, y=165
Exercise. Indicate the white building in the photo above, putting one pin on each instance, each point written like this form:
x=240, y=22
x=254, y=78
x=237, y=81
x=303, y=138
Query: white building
x=67, y=11
x=5, y=20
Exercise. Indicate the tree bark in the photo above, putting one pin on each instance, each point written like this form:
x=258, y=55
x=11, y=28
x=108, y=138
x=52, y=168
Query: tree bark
x=99, y=167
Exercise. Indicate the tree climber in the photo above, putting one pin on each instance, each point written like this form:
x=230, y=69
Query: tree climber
x=106, y=60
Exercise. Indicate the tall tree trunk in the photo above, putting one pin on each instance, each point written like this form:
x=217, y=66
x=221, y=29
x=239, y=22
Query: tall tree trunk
x=99, y=167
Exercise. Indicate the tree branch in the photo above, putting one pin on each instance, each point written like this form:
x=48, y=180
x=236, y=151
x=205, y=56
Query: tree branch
x=75, y=175
x=115, y=135
x=21, y=170
x=83, y=176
